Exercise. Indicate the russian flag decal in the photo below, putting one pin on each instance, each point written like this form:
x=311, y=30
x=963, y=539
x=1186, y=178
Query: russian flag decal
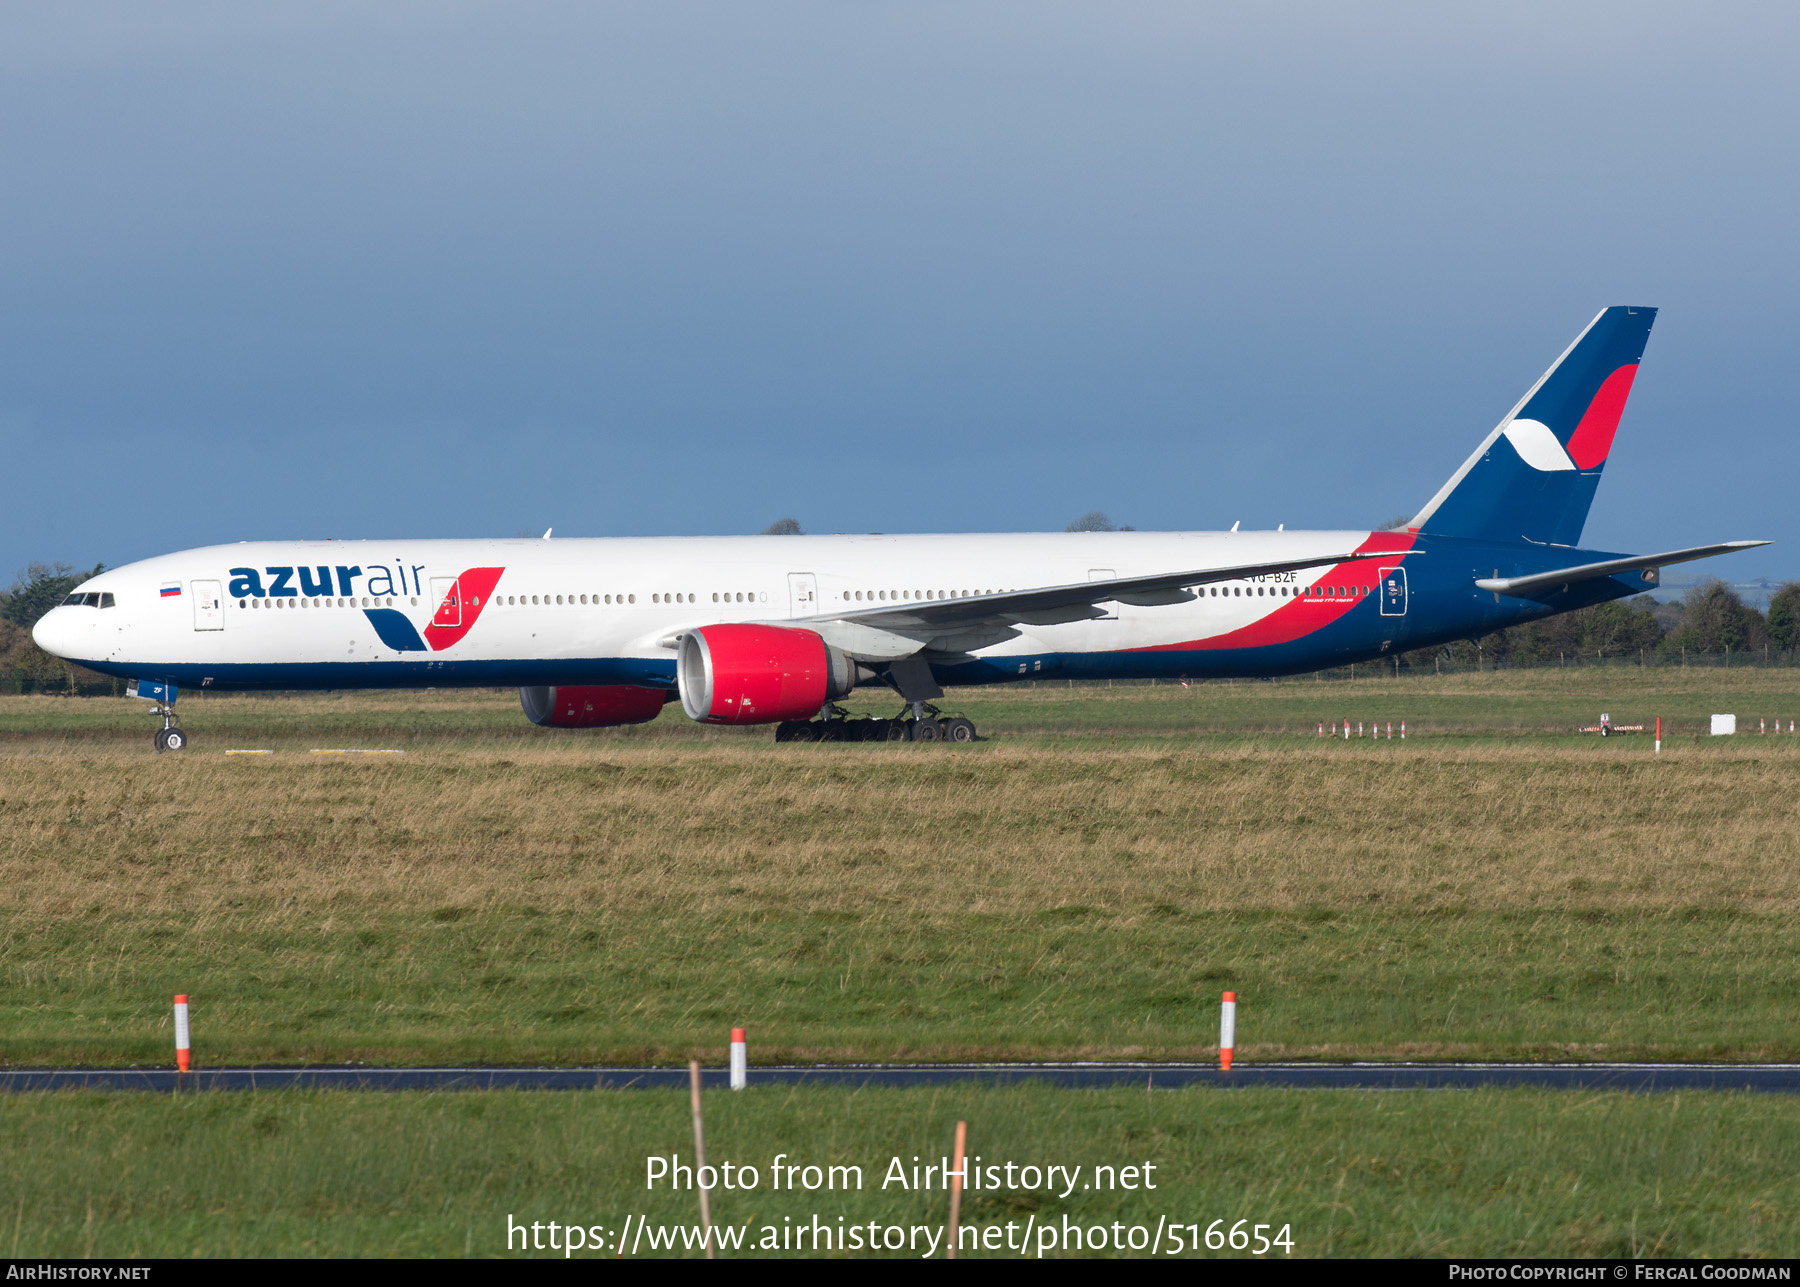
x=170, y=591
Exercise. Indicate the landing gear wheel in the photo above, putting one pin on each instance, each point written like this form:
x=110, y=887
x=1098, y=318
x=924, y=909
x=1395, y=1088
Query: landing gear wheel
x=829, y=731
x=173, y=739
x=784, y=731
x=897, y=731
x=804, y=731
x=161, y=733
x=926, y=730
x=959, y=730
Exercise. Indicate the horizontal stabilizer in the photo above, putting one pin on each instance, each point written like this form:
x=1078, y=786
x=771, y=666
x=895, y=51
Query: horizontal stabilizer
x=1527, y=585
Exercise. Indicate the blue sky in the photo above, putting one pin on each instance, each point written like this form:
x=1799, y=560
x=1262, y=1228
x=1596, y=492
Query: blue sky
x=478, y=269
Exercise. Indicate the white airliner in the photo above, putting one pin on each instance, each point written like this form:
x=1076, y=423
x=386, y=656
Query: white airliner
x=779, y=629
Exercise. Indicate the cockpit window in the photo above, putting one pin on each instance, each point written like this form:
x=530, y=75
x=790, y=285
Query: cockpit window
x=106, y=599
x=89, y=600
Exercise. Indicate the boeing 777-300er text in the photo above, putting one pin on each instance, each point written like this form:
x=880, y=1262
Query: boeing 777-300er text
x=760, y=630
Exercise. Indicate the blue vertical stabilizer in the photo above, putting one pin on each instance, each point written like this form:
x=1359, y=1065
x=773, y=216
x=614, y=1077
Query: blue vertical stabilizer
x=1534, y=476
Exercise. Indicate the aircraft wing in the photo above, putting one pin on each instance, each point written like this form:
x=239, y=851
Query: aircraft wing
x=1055, y=604
x=1526, y=585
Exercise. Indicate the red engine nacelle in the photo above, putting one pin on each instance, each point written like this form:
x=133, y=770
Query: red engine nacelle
x=750, y=674
x=566, y=706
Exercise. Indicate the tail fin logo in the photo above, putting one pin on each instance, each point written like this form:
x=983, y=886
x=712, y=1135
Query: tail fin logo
x=453, y=618
x=1539, y=484
x=1592, y=440
x=1537, y=446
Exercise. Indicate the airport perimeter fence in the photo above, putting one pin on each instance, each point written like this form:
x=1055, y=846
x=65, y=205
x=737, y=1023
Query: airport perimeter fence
x=1413, y=665
x=84, y=684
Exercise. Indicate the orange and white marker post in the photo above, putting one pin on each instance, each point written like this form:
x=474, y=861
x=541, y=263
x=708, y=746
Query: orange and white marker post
x=740, y=1060
x=1346, y=728
x=958, y=1168
x=1321, y=728
x=184, y=1055
x=1390, y=730
x=1659, y=734
x=1227, y=1030
x=706, y=1237
x=1402, y=730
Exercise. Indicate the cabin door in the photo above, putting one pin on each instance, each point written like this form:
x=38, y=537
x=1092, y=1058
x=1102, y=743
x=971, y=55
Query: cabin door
x=447, y=594
x=209, y=608
x=803, y=594
x=1393, y=592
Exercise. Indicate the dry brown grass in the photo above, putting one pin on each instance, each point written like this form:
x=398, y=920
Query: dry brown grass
x=718, y=828
x=504, y=893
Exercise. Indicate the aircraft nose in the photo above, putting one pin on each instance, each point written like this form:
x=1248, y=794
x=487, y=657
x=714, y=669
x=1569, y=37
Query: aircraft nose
x=53, y=632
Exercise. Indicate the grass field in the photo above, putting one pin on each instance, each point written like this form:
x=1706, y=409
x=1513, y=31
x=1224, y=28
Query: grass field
x=1491, y=1173
x=1084, y=883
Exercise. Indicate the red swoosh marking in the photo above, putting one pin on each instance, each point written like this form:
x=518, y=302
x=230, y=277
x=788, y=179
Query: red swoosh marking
x=474, y=588
x=1298, y=618
x=1592, y=440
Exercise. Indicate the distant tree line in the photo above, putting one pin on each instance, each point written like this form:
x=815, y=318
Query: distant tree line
x=24, y=667
x=1710, y=621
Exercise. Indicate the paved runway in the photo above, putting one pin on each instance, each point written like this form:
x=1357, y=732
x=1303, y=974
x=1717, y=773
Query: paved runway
x=1770, y=1078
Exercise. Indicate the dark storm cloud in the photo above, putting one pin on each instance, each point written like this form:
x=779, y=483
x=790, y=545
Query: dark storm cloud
x=473, y=269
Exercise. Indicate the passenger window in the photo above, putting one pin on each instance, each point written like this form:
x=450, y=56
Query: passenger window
x=631, y=598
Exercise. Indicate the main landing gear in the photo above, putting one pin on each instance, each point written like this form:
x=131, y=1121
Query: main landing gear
x=925, y=725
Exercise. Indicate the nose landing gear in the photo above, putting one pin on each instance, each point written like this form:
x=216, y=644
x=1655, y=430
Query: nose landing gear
x=169, y=737
x=162, y=698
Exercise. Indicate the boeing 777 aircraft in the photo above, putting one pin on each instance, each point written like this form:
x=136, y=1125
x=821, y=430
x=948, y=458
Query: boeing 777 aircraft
x=760, y=630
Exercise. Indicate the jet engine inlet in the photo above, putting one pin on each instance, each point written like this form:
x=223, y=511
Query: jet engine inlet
x=752, y=674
